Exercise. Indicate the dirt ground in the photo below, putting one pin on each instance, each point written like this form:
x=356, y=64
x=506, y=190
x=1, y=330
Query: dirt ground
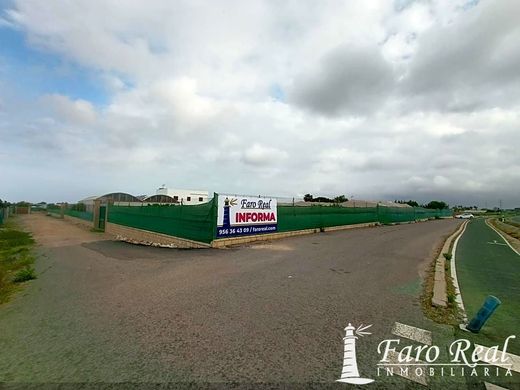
x=107, y=311
x=52, y=232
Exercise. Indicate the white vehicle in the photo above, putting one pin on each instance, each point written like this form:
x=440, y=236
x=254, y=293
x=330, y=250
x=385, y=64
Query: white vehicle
x=465, y=216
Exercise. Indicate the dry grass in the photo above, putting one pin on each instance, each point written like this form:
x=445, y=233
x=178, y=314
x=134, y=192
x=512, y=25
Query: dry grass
x=16, y=259
x=511, y=231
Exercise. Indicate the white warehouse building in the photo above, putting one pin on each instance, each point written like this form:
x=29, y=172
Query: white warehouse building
x=163, y=195
x=185, y=196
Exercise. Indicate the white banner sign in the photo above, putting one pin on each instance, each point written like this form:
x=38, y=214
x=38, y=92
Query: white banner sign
x=245, y=215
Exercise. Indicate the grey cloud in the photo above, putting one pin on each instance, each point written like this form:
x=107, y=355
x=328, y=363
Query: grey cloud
x=348, y=80
x=469, y=64
x=355, y=122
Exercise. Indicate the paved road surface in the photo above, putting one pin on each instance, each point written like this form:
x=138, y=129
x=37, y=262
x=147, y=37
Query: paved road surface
x=486, y=265
x=105, y=311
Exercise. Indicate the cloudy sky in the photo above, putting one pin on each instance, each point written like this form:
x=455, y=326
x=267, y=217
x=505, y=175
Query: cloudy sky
x=380, y=99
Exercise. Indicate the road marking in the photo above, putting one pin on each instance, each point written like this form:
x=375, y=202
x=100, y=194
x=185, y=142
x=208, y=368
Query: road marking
x=496, y=243
x=412, y=333
x=514, y=360
x=503, y=238
x=410, y=371
x=491, y=386
x=458, y=295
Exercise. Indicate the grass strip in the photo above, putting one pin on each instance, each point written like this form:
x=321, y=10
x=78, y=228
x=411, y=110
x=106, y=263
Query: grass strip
x=16, y=259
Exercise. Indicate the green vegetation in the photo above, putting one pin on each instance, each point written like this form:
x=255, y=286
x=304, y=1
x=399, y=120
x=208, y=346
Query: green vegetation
x=24, y=275
x=485, y=266
x=16, y=259
x=410, y=202
x=437, y=205
x=324, y=199
x=509, y=227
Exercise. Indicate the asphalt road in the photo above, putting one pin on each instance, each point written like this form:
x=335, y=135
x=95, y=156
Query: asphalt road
x=105, y=311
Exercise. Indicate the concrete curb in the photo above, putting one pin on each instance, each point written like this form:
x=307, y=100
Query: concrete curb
x=440, y=291
x=455, y=280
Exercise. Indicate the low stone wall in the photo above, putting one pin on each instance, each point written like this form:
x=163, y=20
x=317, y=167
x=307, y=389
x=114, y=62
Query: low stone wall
x=145, y=237
x=78, y=221
x=223, y=242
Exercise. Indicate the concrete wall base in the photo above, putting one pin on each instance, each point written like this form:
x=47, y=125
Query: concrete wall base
x=223, y=242
x=145, y=237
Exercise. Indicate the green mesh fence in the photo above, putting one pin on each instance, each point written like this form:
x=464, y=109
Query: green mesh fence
x=86, y=215
x=195, y=222
x=313, y=217
x=198, y=222
x=54, y=210
x=396, y=214
x=406, y=214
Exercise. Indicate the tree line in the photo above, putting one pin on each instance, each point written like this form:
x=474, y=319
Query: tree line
x=434, y=204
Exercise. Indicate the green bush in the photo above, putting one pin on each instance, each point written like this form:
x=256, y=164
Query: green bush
x=24, y=275
x=447, y=256
x=451, y=298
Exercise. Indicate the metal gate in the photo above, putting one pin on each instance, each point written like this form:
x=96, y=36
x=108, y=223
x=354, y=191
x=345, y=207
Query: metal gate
x=102, y=216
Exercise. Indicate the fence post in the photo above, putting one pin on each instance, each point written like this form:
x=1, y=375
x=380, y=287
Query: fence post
x=62, y=210
x=214, y=214
x=95, y=212
x=106, y=214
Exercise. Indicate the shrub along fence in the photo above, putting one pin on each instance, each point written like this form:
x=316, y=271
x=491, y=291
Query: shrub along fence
x=192, y=222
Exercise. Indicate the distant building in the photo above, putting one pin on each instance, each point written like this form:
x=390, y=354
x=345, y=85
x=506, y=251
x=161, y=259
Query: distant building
x=115, y=198
x=163, y=196
x=184, y=196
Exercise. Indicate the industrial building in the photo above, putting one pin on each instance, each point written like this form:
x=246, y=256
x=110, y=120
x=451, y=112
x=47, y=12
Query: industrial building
x=184, y=196
x=163, y=195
